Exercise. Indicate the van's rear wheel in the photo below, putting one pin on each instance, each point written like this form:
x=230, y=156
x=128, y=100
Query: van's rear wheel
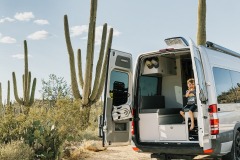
x=235, y=152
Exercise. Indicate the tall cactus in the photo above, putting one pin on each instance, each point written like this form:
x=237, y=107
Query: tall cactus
x=27, y=99
x=89, y=96
x=201, y=26
x=8, y=94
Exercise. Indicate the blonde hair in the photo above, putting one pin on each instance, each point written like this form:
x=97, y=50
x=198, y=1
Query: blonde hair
x=191, y=80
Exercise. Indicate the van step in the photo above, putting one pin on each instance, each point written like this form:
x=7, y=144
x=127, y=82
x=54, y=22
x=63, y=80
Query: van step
x=193, y=134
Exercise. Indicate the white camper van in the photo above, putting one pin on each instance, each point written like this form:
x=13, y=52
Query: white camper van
x=143, y=107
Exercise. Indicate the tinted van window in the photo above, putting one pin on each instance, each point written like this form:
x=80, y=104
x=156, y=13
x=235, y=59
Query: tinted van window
x=148, y=86
x=224, y=87
x=119, y=87
x=236, y=84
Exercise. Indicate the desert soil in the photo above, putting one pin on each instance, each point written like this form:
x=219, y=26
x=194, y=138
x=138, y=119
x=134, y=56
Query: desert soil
x=117, y=153
x=121, y=153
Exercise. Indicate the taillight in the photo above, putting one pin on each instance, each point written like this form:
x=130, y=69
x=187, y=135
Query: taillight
x=132, y=130
x=208, y=151
x=214, y=121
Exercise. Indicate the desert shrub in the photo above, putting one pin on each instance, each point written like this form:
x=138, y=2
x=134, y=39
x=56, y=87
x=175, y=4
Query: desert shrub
x=91, y=132
x=48, y=129
x=45, y=129
x=16, y=150
x=11, y=126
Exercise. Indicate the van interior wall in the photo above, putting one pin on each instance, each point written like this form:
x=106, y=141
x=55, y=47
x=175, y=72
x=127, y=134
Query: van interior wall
x=172, y=88
x=171, y=75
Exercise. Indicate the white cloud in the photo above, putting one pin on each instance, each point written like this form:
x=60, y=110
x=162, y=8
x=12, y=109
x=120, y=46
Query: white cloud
x=39, y=35
x=98, y=34
x=19, y=56
x=7, y=39
x=41, y=22
x=6, y=19
x=116, y=33
x=78, y=30
x=25, y=16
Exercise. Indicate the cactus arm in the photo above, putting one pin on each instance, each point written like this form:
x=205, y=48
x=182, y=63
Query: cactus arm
x=90, y=51
x=28, y=88
x=80, y=68
x=15, y=89
x=104, y=69
x=201, y=27
x=74, y=85
x=25, y=87
x=99, y=64
x=8, y=94
x=32, y=92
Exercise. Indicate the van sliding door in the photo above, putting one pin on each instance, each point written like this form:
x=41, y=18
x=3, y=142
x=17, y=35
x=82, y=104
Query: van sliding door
x=201, y=94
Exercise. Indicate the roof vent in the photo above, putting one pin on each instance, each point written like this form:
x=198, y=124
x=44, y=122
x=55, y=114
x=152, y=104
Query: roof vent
x=176, y=42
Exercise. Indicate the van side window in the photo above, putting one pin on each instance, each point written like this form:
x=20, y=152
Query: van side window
x=236, y=84
x=224, y=86
x=148, y=85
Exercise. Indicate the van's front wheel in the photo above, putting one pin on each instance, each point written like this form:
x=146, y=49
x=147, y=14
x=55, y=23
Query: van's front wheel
x=235, y=152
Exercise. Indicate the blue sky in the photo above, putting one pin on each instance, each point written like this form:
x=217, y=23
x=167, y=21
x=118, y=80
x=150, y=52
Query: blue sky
x=139, y=26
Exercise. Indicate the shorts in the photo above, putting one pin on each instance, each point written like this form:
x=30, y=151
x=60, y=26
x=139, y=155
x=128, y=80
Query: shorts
x=191, y=107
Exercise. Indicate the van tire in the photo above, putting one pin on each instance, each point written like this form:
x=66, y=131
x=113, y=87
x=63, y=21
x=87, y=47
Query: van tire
x=235, y=151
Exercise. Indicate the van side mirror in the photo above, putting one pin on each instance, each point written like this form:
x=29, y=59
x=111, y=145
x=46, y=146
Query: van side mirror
x=119, y=93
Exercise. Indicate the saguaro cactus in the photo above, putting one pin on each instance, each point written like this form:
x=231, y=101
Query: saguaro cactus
x=89, y=96
x=201, y=26
x=8, y=94
x=27, y=99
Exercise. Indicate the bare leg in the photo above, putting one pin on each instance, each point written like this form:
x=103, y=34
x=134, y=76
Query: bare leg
x=182, y=114
x=192, y=119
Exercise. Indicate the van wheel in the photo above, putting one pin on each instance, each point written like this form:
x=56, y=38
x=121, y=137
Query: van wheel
x=235, y=152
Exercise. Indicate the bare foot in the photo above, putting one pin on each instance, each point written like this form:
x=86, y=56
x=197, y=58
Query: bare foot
x=192, y=126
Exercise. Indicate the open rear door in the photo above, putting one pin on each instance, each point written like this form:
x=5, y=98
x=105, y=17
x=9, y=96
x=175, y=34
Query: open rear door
x=201, y=90
x=117, y=113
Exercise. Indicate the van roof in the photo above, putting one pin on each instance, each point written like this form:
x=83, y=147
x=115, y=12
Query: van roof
x=166, y=51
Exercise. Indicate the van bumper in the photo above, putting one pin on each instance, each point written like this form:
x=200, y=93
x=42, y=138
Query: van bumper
x=169, y=148
x=218, y=146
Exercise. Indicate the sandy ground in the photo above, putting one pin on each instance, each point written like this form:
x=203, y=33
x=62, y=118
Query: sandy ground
x=117, y=153
x=120, y=153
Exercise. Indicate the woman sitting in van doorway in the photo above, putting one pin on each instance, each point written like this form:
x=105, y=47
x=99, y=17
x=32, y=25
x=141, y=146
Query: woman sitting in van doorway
x=191, y=102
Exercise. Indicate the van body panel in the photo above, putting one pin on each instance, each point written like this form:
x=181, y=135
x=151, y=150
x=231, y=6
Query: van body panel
x=117, y=111
x=228, y=113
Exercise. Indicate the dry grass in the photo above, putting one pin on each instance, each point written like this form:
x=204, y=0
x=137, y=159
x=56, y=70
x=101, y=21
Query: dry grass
x=78, y=151
x=16, y=150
